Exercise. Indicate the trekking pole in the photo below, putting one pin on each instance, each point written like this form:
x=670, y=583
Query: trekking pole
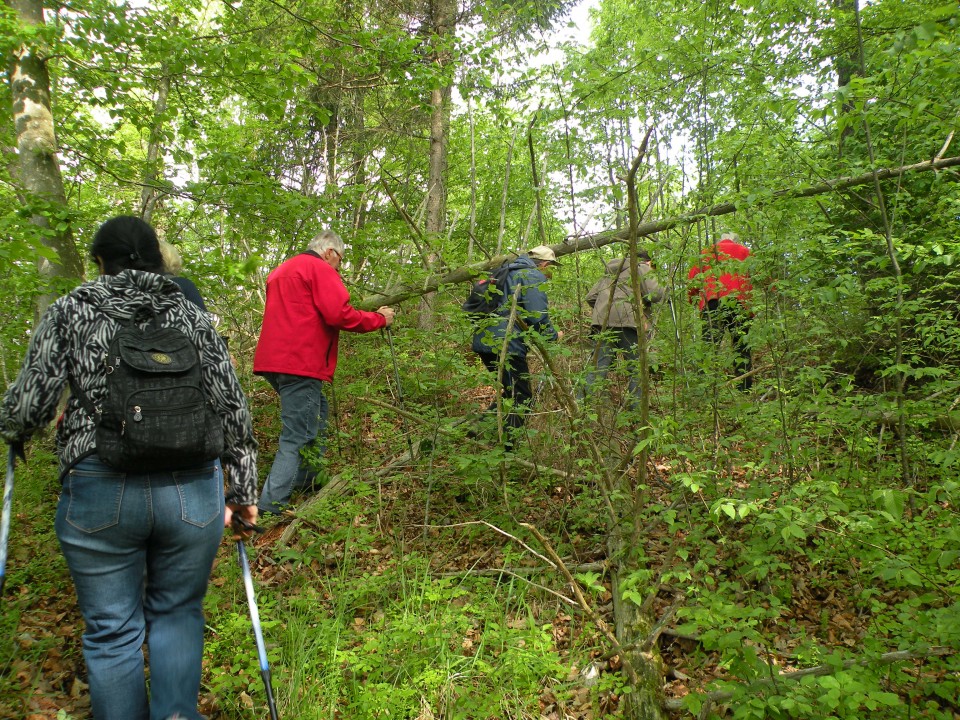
x=241, y=524
x=15, y=450
x=5, y=520
x=336, y=418
x=396, y=377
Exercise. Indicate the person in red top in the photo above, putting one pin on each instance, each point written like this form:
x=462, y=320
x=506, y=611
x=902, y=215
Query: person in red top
x=722, y=287
x=307, y=307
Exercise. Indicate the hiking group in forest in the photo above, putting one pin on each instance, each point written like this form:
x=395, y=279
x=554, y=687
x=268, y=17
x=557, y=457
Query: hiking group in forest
x=156, y=423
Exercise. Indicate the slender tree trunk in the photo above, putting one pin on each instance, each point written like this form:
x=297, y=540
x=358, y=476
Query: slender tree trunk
x=505, y=196
x=632, y=625
x=149, y=195
x=39, y=168
x=442, y=22
x=439, y=136
x=471, y=234
x=846, y=65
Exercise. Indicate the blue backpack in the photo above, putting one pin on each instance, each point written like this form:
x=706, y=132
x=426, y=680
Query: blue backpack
x=487, y=294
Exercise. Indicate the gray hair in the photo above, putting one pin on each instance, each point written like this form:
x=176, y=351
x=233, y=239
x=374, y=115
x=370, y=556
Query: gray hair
x=326, y=240
x=730, y=236
x=172, y=262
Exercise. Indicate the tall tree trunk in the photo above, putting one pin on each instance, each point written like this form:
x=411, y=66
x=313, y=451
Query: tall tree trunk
x=633, y=623
x=846, y=63
x=39, y=168
x=149, y=195
x=442, y=22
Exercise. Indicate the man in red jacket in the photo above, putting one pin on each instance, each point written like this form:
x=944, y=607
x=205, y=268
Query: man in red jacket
x=724, y=290
x=307, y=307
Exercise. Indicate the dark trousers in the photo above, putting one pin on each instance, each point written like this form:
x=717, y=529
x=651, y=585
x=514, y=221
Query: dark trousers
x=516, y=385
x=722, y=316
x=622, y=340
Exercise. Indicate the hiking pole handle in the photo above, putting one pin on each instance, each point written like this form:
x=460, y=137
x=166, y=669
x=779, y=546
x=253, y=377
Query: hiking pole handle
x=245, y=525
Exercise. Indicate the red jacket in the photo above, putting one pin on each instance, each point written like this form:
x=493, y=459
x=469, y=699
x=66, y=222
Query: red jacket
x=307, y=307
x=712, y=286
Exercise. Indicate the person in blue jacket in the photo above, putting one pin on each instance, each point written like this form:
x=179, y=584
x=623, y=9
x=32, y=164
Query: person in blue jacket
x=522, y=288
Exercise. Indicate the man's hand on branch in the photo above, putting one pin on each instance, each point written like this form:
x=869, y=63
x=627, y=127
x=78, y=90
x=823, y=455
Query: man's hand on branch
x=387, y=312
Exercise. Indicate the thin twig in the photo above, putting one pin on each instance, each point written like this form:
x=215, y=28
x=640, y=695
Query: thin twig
x=582, y=601
x=502, y=532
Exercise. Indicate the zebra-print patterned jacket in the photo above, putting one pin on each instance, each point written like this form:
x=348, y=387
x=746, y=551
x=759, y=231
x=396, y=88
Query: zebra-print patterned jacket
x=73, y=336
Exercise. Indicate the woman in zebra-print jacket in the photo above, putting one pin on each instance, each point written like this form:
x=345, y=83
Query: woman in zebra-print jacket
x=140, y=546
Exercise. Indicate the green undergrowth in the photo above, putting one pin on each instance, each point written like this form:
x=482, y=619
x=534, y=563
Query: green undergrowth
x=775, y=534
x=362, y=629
x=806, y=550
x=787, y=555
x=39, y=632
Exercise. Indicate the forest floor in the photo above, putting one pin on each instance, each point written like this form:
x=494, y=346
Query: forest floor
x=45, y=677
x=54, y=677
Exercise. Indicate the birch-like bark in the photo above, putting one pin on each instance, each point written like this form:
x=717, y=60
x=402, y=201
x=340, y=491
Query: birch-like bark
x=39, y=168
x=150, y=193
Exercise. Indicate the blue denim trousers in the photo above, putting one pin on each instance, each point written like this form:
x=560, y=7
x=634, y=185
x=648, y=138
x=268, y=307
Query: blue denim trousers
x=140, y=548
x=303, y=417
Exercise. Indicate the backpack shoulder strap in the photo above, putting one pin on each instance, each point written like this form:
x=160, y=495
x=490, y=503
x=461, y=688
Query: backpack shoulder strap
x=85, y=402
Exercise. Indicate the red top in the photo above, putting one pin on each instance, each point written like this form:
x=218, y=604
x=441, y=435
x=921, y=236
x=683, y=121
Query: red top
x=712, y=286
x=307, y=307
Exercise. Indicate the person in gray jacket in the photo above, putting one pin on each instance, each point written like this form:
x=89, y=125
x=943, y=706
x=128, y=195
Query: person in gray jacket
x=612, y=320
x=527, y=273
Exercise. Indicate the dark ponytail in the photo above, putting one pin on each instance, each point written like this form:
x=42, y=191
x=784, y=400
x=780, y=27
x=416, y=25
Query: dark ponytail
x=127, y=243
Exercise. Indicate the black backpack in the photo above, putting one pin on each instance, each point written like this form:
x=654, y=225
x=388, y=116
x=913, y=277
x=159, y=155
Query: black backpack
x=156, y=416
x=487, y=294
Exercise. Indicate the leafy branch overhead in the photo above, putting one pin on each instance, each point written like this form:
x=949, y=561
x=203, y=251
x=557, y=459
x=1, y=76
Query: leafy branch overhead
x=399, y=294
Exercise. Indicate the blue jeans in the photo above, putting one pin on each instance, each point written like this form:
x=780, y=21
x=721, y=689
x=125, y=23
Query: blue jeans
x=303, y=417
x=140, y=548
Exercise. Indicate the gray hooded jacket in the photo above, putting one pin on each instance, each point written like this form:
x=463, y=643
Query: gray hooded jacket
x=620, y=300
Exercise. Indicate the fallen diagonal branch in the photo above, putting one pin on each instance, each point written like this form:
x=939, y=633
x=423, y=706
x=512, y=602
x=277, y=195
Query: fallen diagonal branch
x=341, y=483
x=523, y=571
x=402, y=292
